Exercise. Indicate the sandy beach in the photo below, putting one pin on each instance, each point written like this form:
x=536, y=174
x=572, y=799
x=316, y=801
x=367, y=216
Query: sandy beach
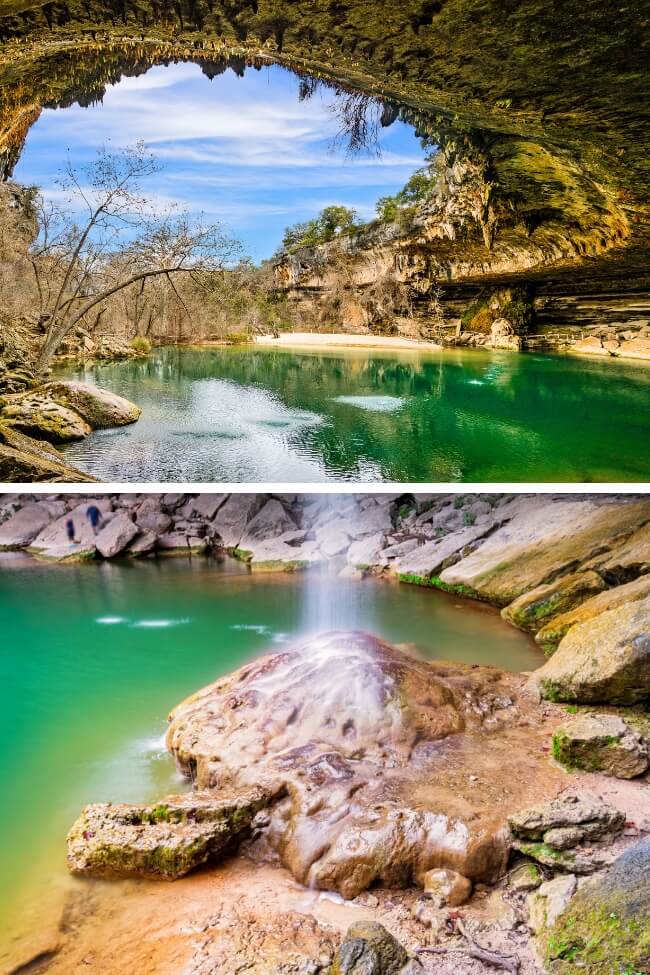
x=329, y=339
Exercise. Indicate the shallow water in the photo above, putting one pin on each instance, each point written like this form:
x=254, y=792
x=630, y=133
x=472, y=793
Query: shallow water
x=94, y=656
x=260, y=415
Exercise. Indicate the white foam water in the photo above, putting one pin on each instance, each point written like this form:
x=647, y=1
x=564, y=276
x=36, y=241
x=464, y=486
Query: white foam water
x=158, y=624
x=110, y=620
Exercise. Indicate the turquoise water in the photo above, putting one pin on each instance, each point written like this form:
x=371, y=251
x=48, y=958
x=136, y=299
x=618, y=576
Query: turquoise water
x=260, y=415
x=94, y=656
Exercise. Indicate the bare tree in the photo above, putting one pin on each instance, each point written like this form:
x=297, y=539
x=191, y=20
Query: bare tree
x=121, y=241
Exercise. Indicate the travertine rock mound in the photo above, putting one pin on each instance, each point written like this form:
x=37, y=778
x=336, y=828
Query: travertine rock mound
x=367, y=742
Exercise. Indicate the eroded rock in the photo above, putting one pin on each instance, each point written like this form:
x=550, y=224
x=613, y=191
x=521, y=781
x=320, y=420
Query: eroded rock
x=531, y=610
x=165, y=840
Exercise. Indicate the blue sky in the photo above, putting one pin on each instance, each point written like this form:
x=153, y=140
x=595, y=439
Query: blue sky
x=243, y=151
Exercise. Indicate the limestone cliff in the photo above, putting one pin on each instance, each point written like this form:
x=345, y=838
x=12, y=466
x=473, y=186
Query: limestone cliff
x=540, y=111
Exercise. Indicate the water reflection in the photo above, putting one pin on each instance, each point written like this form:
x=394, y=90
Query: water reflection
x=259, y=414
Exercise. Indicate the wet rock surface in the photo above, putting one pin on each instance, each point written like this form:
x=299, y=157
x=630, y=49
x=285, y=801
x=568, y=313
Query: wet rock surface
x=368, y=742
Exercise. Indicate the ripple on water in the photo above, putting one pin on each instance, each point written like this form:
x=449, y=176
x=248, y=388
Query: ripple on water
x=376, y=404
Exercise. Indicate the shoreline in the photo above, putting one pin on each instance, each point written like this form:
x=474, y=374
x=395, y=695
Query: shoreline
x=344, y=339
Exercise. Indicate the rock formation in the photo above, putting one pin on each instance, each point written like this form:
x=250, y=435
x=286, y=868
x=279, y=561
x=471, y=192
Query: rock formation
x=352, y=749
x=543, y=177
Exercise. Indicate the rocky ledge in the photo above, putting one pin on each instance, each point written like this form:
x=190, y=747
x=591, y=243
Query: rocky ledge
x=57, y=412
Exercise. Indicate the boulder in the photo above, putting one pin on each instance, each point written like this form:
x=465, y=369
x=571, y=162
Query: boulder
x=98, y=407
x=23, y=526
x=604, y=660
x=601, y=743
x=446, y=887
x=606, y=927
x=367, y=552
x=115, y=536
x=354, y=729
x=157, y=522
x=165, y=840
x=232, y=517
x=207, y=505
x=333, y=543
x=531, y=610
x=552, y=632
x=53, y=542
x=143, y=545
x=270, y=521
x=550, y=832
x=369, y=949
x=525, y=876
x=39, y=416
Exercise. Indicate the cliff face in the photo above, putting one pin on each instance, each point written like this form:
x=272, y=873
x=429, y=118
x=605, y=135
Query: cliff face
x=540, y=111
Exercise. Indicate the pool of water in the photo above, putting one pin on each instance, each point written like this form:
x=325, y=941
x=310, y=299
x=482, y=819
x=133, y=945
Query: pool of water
x=260, y=415
x=94, y=656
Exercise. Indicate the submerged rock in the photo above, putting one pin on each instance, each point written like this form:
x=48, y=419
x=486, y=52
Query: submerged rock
x=164, y=840
x=604, y=660
x=601, y=743
x=367, y=741
x=98, y=407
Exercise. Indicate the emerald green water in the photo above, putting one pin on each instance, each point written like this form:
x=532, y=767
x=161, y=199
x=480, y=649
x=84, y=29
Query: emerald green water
x=95, y=655
x=265, y=414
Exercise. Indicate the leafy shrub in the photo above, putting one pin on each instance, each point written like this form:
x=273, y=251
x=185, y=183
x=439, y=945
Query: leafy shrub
x=236, y=338
x=141, y=344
